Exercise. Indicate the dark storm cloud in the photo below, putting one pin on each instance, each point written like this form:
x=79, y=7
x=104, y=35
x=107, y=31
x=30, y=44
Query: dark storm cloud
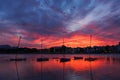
x=40, y=14
x=32, y=16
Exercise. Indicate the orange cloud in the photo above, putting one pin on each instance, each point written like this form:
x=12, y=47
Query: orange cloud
x=75, y=40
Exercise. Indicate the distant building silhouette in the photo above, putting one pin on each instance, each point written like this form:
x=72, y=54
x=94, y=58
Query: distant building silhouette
x=119, y=47
x=5, y=46
x=64, y=49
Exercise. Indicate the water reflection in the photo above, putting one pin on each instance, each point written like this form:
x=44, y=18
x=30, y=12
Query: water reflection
x=106, y=67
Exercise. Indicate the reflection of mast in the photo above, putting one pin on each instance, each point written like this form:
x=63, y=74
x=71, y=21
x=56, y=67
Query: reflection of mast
x=63, y=76
x=41, y=71
x=91, y=74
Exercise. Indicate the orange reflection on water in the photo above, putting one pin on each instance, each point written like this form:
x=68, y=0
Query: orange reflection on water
x=76, y=65
x=47, y=65
x=81, y=65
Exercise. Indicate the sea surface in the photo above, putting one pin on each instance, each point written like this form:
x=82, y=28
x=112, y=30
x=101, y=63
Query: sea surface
x=105, y=67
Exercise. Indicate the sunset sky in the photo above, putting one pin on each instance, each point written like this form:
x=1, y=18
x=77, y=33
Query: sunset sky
x=50, y=21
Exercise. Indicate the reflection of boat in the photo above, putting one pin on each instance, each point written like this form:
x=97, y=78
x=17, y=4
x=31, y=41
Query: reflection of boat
x=18, y=59
x=64, y=59
x=90, y=59
x=76, y=58
x=63, y=75
x=55, y=58
x=42, y=59
x=91, y=72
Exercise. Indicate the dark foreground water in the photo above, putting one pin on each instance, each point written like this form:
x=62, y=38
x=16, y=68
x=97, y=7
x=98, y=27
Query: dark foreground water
x=106, y=67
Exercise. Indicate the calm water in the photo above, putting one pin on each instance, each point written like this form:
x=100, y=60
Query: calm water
x=106, y=67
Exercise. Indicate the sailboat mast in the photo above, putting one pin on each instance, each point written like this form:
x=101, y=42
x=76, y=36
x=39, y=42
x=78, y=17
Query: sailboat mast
x=41, y=44
x=63, y=41
x=17, y=72
x=19, y=42
x=41, y=48
x=90, y=45
x=90, y=40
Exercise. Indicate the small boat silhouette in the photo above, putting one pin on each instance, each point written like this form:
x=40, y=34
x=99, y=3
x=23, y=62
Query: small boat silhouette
x=76, y=58
x=42, y=59
x=18, y=59
x=90, y=59
x=64, y=59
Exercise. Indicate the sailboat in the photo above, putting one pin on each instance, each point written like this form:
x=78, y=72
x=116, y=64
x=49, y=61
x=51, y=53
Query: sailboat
x=77, y=58
x=64, y=59
x=16, y=57
x=41, y=58
x=90, y=58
